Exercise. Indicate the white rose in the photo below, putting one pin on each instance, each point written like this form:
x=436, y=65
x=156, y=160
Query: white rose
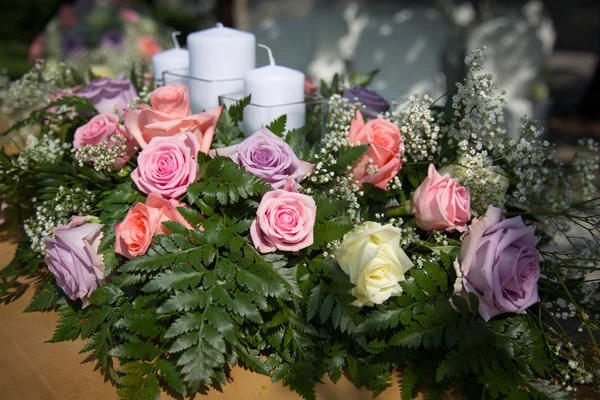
x=372, y=258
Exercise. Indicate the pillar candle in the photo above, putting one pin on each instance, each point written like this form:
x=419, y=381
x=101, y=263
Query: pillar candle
x=274, y=91
x=176, y=60
x=219, y=58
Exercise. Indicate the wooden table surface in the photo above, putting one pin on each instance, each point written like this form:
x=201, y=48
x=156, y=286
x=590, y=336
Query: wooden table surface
x=32, y=369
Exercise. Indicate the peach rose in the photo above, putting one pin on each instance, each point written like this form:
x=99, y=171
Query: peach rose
x=148, y=46
x=169, y=115
x=143, y=221
x=440, y=203
x=381, y=162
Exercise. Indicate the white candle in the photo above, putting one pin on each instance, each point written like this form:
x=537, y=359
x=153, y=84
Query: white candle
x=176, y=60
x=275, y=91
x=219, y=58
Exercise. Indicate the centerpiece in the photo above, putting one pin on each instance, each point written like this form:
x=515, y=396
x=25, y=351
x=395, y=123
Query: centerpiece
x=414, y=237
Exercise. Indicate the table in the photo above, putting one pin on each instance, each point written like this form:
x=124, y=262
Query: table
x=32, y=369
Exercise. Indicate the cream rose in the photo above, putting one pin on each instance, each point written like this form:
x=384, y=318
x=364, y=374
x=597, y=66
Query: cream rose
x=372, y=258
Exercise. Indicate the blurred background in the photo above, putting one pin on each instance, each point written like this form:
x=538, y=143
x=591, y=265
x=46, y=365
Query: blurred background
x=543, y=53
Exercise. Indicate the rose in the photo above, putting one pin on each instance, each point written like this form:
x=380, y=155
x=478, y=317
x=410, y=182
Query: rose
x=168, y=165
x=372, y=258
x=73, y=258
x=130, y=16
x=495, y=176
x=109, y=95
x=373, y=102
x=268, y=157
x=309, y=86
x=60, y=94
x=67, y=17
x=37, y=48
x=171, y=101
x=500, y=265
x=102, y=128
x=142, y=222
x=440, y=203
x=148, y=47
x=381, y=162
x=98, y=128
x=169, y=115
x=284, y=221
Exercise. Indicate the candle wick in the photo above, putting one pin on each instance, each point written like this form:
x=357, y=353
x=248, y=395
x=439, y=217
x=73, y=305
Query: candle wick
x=219, y=25
x=271, y=59
x=174, y=37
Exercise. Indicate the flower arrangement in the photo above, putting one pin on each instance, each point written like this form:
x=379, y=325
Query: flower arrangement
x=421, y=239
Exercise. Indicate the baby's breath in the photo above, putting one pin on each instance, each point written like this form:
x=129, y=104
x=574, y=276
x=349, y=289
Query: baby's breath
x=44, y=149
x=55, y=212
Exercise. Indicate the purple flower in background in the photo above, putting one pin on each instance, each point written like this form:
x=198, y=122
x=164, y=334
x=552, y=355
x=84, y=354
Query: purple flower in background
x=500, y=265
x=112, y=40
x=373, y=102
x=109, y=95
x=268, y=157
x=73, y=258
x=72, y=44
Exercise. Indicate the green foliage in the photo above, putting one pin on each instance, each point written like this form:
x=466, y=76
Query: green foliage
x=228, y=131
x=362, y=79
x=347, y=156
x=335, y=87
x=45, y=298
x=222, y=182
x=236, y=111
x=277, y=126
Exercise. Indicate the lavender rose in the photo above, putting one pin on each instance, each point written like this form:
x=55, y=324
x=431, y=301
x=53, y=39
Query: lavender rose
x=268, y=157
x=73, y=258
x=500, y=265
x=109, y=95
x=373, y=102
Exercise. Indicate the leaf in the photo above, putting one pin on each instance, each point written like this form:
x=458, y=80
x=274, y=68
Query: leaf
x=277, y=126
x=169, y=373
x=136, y=350
x=326, y=308
x=362, y=79
x=106, y=294
x=144, y=324
x=177, y=278
x=236, y=111
x=296, y=138
x=184, y=324
x=69, y=325
x=314, y=300
x=44, y=299
x=347, y=157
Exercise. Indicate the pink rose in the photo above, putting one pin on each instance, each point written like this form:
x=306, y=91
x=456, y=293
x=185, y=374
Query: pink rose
x=73, y=258
x=59, y=94
x=500, y=265
x=169, y=115
x=440, y=203
x=381, y=162
x=37, y=48
x=98, y=128
x=284, y=221
x=168, y=165
x=309, y=86
x=130, y=16
x=143, y=221
x=67, y=17
x=101, y=128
